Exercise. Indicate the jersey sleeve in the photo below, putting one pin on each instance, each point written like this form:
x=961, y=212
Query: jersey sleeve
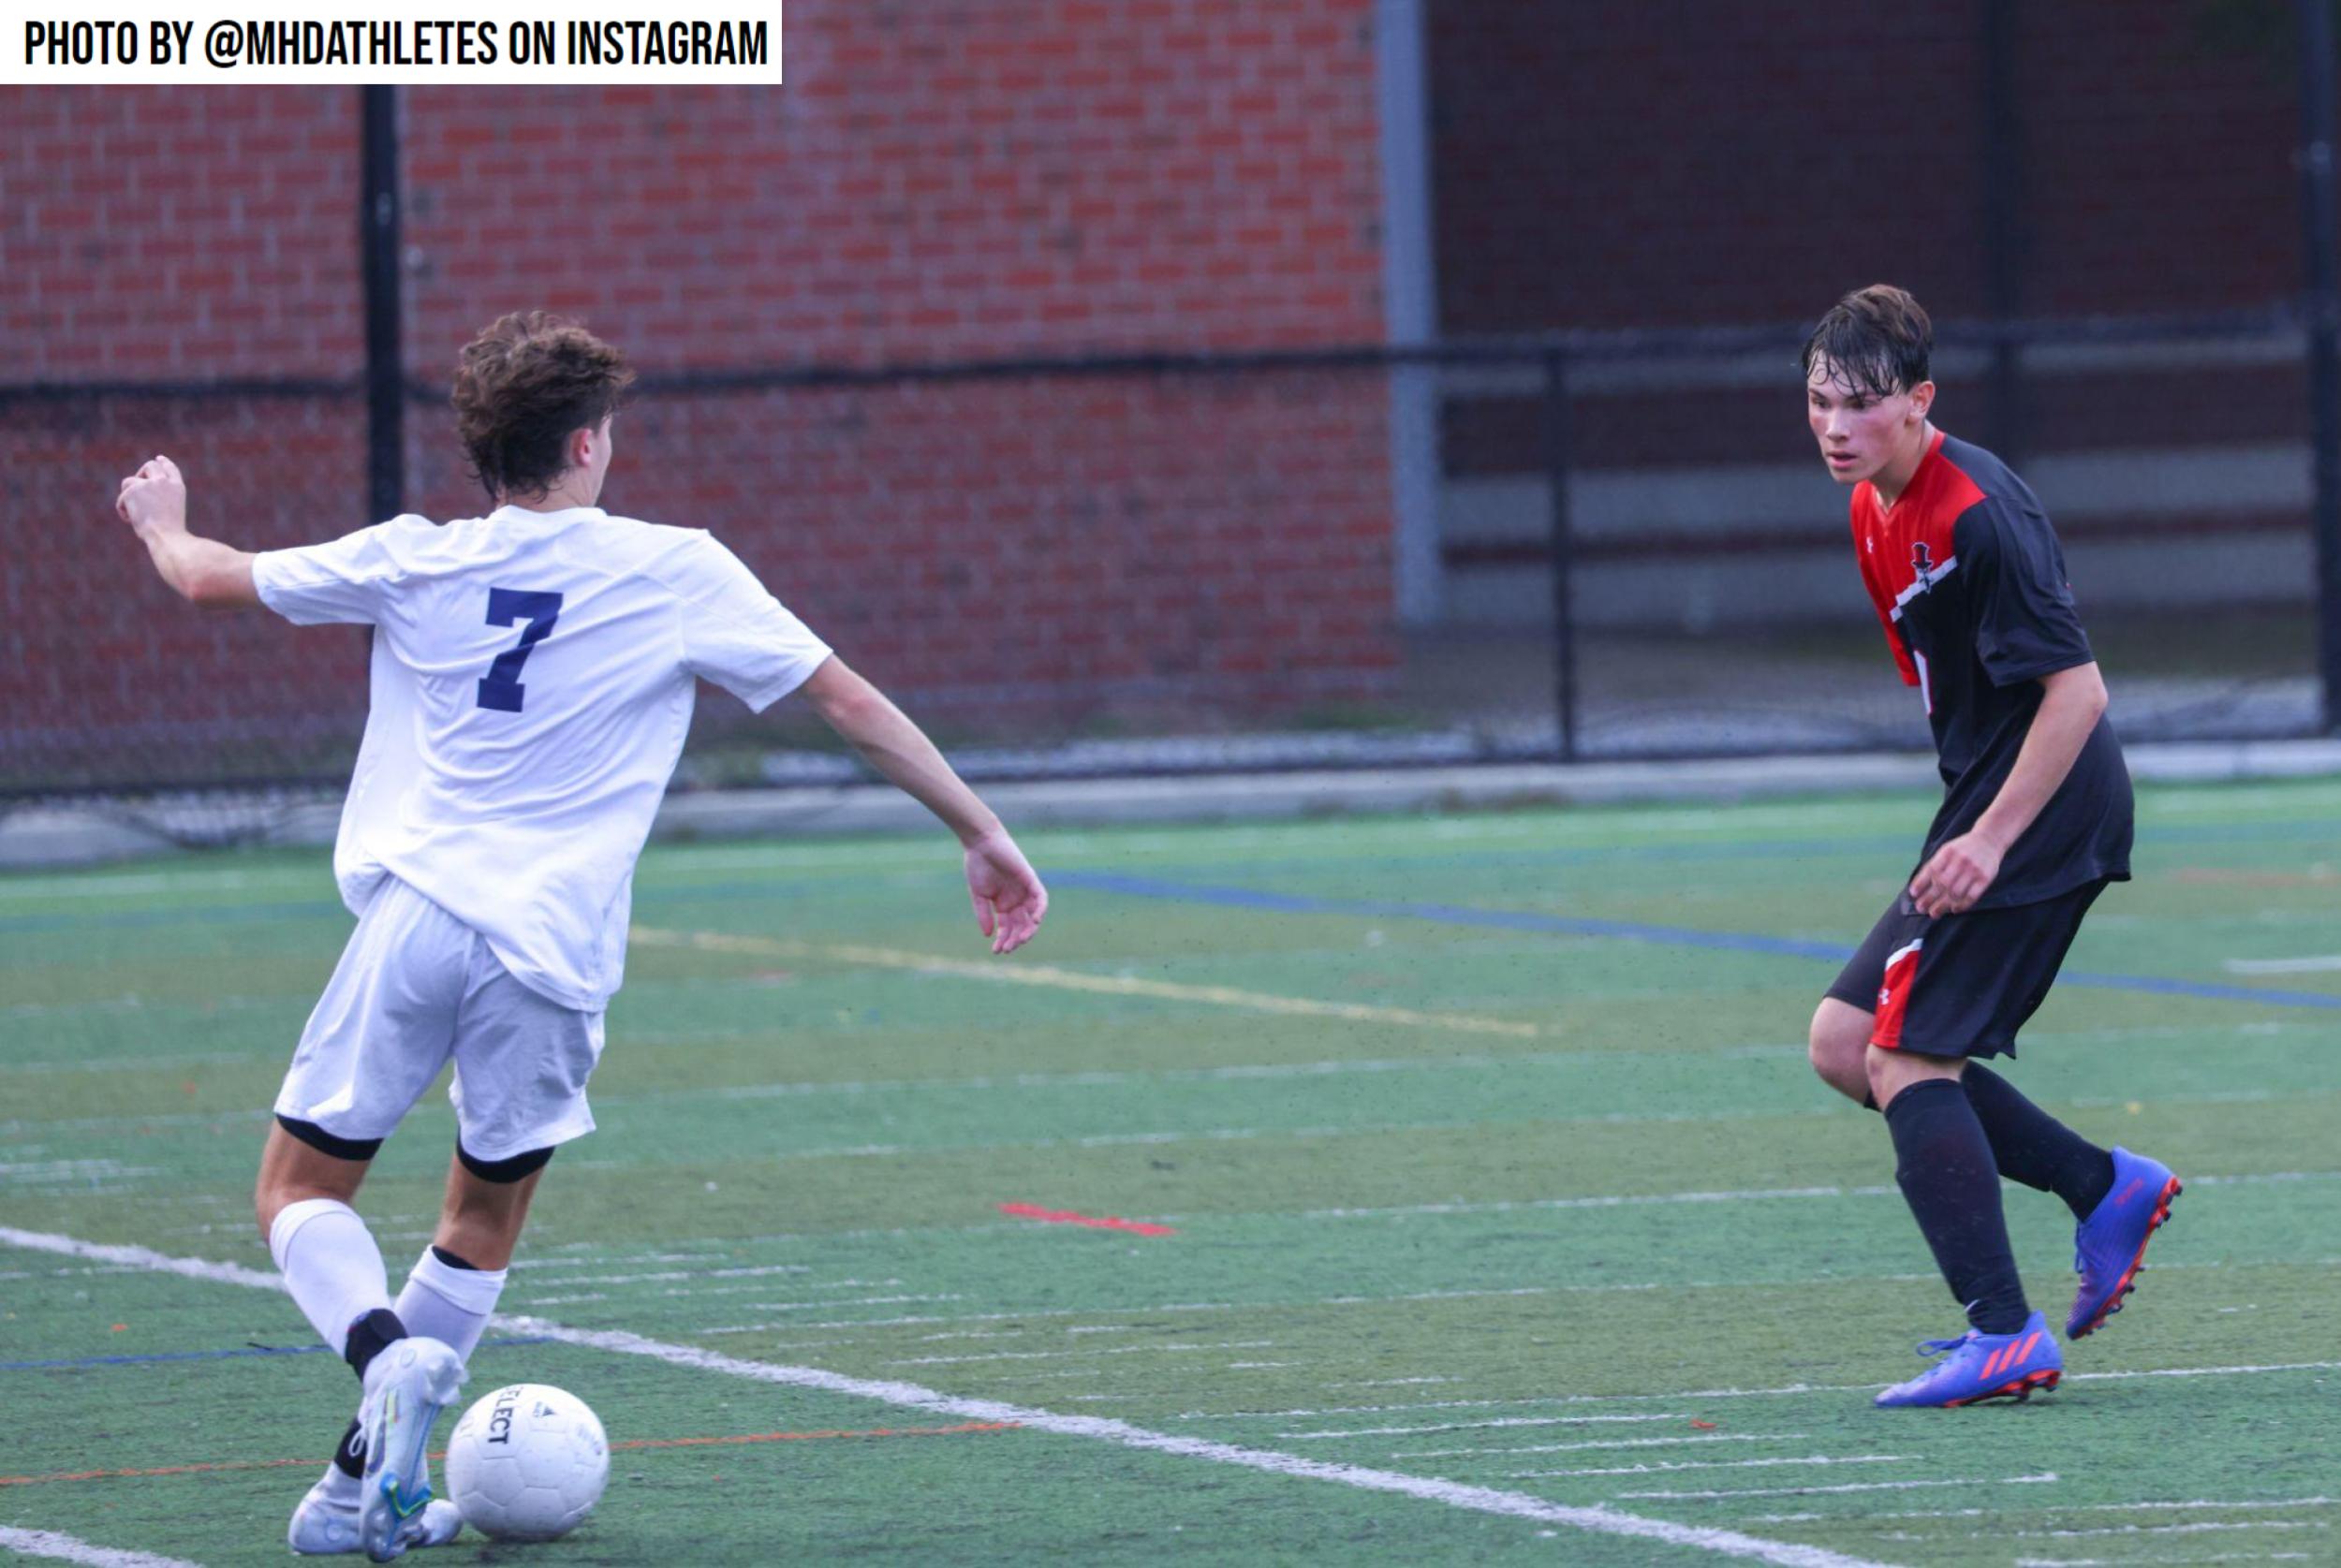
x=735, y=633
x=2025, y=625
x=1882, y=601
x=343, y=581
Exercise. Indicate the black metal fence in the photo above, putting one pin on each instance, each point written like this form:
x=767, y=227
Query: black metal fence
x=1576, y=546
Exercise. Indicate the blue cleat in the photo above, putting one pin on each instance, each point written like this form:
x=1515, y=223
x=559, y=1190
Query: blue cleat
x=2110, y=1246
x=1979, y=1366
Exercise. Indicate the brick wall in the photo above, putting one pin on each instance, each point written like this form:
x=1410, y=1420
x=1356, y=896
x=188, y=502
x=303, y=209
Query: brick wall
x=937, y=182
x=1672, y=164
x=179, y=233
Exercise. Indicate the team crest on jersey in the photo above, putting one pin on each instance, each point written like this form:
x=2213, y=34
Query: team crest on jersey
x=1924, y=564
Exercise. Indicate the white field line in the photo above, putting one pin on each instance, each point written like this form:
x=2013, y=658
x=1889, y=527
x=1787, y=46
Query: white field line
x=1053, y=977
x=1689, y=1394
x=1753, y=1195
x=2045, y=1478
x=1472, y=1426
x=1483, y=1499
x=115, y=1063
x=692, y=1292
x=142, y=1257
x=2204, y=1505
x=1810, y=1460
x=2197, y=1527
x=814, y=1306
x=1609, y=1289
x=48, y=1543
x=1741, y=1195
x=1607, y=1443
x=1223, y=1307
x=664, y=1276
x=2322, y=964
x=1060, y=1355
x=598, y=1258
x=1599, y=1519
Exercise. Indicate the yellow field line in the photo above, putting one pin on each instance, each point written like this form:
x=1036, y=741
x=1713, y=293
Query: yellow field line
x=1075, y=981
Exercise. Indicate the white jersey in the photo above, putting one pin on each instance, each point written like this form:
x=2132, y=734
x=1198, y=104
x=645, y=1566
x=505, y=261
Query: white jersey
x=533, y=679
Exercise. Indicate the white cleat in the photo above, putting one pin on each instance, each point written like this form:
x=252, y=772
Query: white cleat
x=326, y=1523
x=407, y=1386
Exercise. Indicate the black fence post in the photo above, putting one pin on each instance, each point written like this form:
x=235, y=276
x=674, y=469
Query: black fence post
x=2004, y=251
x=378, y=245
x=1561, y=552
x=2323, y=320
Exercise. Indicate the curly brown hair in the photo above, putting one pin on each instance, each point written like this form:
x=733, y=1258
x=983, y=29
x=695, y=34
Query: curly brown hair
x=521, y=386
x=1877, y=340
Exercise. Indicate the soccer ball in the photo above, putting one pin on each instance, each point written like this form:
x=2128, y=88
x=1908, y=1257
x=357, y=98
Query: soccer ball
x=528, y=1462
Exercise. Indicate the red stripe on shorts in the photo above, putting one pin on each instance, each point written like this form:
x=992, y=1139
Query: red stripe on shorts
x=1893, y=997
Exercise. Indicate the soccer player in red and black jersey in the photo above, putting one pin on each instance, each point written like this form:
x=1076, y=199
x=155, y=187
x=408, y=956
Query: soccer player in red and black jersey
x=1969, y=585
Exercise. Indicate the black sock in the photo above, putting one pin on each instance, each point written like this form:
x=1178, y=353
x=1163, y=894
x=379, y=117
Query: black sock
x=369, y=1336
x=346, y=1458
x=450, y=1259
x=2034, y=1147
x=1943, y=1163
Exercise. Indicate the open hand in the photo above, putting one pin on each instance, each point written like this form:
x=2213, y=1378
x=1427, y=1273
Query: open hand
x=155, y=498
x=1006, y=890
x=1956, y=875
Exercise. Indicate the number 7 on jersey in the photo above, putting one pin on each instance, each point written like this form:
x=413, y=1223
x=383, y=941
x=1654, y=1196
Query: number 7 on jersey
x=501, y=688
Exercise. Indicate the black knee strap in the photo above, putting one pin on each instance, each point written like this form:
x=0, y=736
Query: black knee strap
x=324, y=1142
x=503, y=1171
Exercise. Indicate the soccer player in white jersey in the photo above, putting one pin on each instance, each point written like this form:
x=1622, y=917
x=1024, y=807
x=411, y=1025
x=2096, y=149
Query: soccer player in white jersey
x=533, y=677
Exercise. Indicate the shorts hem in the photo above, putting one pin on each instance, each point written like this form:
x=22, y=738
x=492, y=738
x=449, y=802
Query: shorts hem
x=328, y=1125
x=1976, y=1052
x=495, y=1153
x=1866, y=1000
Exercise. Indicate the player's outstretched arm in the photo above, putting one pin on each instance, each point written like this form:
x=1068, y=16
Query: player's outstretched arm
x=154, y=502
x=1007, y=892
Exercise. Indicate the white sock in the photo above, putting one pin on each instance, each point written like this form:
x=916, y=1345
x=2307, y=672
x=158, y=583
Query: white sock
x=343, y=1487
x=330, y=1265
x=450, y=1304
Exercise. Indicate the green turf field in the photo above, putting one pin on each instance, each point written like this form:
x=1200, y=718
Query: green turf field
x=1505, y=1219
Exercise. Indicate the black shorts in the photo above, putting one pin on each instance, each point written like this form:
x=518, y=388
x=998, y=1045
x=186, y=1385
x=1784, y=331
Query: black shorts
x=1961, y=985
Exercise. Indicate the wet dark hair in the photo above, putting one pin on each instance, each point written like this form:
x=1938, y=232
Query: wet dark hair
x=521, y=386
x=1877, y=340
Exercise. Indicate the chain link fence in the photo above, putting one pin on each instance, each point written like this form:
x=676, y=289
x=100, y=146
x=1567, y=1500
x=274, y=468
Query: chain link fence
x=1585, y=546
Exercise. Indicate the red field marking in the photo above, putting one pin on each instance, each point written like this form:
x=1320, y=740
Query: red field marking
x=633, y=1443
x=1066, y=1217
x=162, y=1470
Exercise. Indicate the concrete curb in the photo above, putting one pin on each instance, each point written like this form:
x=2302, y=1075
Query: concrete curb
x=70, y=836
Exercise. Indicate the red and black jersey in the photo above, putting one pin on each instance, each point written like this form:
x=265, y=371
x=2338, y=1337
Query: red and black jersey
x=1970, y=584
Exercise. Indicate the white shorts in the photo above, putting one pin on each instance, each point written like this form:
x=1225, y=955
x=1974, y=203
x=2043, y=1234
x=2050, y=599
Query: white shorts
x=415, y=986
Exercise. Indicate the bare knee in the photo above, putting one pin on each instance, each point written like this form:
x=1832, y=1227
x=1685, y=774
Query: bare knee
x=1838, y=1042
x=1890, y=1072
x=293, y=1172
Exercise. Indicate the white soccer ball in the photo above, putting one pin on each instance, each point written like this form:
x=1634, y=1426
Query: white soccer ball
x=528, y=1462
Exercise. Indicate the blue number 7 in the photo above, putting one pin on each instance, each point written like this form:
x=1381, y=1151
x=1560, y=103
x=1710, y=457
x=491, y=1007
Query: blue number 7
x=501, y=688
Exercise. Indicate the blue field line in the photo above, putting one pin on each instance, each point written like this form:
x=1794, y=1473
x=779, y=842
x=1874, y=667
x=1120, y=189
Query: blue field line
x=1904, y=847
x=216, y=1354
x=741, y=890
x=1625, y=931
